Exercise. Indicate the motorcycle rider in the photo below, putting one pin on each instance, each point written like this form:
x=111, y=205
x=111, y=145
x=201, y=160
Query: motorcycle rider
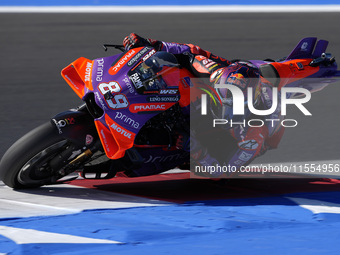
x=249, y=142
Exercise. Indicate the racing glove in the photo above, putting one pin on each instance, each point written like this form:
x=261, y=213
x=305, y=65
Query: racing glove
x=133, y=41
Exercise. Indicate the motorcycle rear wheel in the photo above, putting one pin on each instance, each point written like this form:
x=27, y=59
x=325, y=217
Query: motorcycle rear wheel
x=26, y=162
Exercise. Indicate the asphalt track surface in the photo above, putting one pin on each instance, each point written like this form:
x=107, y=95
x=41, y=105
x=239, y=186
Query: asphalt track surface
x=35, y=47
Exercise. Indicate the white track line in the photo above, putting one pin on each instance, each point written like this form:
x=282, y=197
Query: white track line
x=172, y=9
x=27, y=236
x=64, y=199
x=40, y=206
x=316, y=206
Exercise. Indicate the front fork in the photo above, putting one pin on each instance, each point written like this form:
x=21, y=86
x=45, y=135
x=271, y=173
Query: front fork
x=77, y=126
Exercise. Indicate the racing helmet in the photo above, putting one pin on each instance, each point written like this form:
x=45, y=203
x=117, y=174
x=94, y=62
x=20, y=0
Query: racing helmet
x=243, y=75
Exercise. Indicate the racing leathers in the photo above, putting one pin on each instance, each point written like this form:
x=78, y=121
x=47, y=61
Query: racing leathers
x=250, y=141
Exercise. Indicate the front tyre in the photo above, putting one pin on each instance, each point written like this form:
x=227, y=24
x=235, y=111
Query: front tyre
x=27, y=163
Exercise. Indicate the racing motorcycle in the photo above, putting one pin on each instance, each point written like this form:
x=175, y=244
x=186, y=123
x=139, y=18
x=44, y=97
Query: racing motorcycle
x=133, y=115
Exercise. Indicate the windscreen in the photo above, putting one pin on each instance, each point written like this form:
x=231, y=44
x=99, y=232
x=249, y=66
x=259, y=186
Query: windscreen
x=148, y=76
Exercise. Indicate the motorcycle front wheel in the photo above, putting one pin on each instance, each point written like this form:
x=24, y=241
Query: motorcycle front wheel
x=27, y=163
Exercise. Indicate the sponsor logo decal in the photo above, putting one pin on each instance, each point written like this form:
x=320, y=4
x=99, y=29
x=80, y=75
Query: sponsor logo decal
x=121, y=130
x=100, y=69
x=99, y=99
x=88, y=139
x=304, y=46
x=70, y=80
x=136, y=80
x=168, y=91
x=248, y=145
x=134, y=108
x=165, y=158
x=104, y=139
x=88, y=71
x=245, y=156
x=137, y=56
x=149, y=54
x=128, y=85
x=121, y=62
x=163, y=99
x=62, y=123
x=127, y=120
x=56, y=124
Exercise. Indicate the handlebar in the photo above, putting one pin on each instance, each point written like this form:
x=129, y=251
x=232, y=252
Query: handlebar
x=116, y=46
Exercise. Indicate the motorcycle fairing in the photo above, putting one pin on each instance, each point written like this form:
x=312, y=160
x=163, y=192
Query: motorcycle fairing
x=303, y=49
x=294, y=69
x=115, y=140
x=124, y=110
x=78, y=75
